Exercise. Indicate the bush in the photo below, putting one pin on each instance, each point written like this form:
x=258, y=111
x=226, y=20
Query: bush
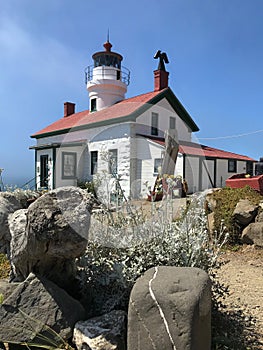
x=4, y=266
x=226, y=201
x=109, y=273
x=87, y=185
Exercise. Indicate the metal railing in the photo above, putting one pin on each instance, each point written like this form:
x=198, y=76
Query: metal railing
x=107, y=72
x=28, y=186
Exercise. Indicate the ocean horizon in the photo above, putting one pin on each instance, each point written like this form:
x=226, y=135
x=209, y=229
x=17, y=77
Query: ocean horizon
x=13, y=182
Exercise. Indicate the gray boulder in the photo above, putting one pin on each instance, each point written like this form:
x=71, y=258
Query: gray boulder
x=8, y=204
x=56, y=233
x=259, y=217
x=170, y=308
x=253, y=234
x=106, y=332
x=210, y=200
x=6, y=288
x=35, y=306
x=245, y=212
x=18, y=245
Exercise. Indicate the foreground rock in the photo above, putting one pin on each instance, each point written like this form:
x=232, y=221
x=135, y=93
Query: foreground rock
x=170, y=308
x=245, y=212
x=49, y=237
x=106, y=332
x=8, y=204
x=253, y=234
x=35, y=303
x=18, y=250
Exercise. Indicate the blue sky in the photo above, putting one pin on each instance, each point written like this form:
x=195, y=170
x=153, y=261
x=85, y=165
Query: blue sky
x=215, y=49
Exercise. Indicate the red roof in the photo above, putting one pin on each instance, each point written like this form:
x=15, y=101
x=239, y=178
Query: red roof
x=195, y=149
x=118, y=110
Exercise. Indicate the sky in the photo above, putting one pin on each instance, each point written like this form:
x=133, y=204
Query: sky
x=214, y=47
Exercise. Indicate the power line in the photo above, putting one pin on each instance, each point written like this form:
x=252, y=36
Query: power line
x=231, y=136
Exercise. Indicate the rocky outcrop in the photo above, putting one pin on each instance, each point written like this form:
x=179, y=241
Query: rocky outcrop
x=170, y=308
x=247, y=219
x=18, y=250
x=35, y=306
x=50, y=235
x=253, y=234
x=106, y=332
x=8, y=204
x=245, y=212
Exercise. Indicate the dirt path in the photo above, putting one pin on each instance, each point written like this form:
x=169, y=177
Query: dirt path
x=242, y=271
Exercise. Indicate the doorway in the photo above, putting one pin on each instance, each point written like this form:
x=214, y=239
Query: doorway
x=44, y=171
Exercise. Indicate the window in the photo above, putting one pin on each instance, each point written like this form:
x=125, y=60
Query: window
x=93, y=162
x=157, y=165
x=113, y=161
x=232, y=166
x=93, y=105
x=172, y=123
x=69, y=165
x=154, y=129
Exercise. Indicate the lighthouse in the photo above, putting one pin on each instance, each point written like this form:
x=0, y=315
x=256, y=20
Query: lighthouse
x=106, y=79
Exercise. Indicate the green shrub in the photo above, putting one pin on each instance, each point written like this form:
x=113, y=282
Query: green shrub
x=226, y=201
x=4, y=266
x=87, y=185
x=109, y=272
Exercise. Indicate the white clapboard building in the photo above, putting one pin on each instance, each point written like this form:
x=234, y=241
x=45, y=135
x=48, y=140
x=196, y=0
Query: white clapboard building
x=128, y=131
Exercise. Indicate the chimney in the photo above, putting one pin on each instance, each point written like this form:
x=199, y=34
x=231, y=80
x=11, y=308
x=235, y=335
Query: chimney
x=160, y=80
x=69, y=108
x=160, y=75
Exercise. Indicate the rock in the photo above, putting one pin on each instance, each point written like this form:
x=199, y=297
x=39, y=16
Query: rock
x=253, y=234
x=35, y=304
x=56, y=233
x=106, y=332
x=18, y=245
x=210, y=201
x=211, y=222
x=8, y=204
x=6, y=288
x=25, y=197
x=245, y=212
x=259, y=217
x=170, y=308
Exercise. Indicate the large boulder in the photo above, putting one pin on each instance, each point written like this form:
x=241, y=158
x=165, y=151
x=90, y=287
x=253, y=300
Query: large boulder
x=18, y=245
x=170, y=308
x=8, y=204
x=245, y=212
x=253, y=234
x=49, y=237
x=106, y=332
x=35, y=305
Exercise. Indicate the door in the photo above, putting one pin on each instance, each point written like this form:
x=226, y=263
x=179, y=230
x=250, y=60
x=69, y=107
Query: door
x=44, y=171
x=207, y=175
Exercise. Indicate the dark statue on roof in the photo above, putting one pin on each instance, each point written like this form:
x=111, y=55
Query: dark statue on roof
x=162, y=59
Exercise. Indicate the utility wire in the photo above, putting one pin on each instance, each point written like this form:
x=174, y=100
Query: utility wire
x=231, y=136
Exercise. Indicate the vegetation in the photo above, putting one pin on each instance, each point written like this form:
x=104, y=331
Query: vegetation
x=87, y=185
x=226, y=201
x=108, y=272
x=4, y=266
x=129, y=243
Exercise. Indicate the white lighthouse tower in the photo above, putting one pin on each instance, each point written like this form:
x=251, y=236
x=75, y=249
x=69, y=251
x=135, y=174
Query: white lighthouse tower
x=106, y=80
